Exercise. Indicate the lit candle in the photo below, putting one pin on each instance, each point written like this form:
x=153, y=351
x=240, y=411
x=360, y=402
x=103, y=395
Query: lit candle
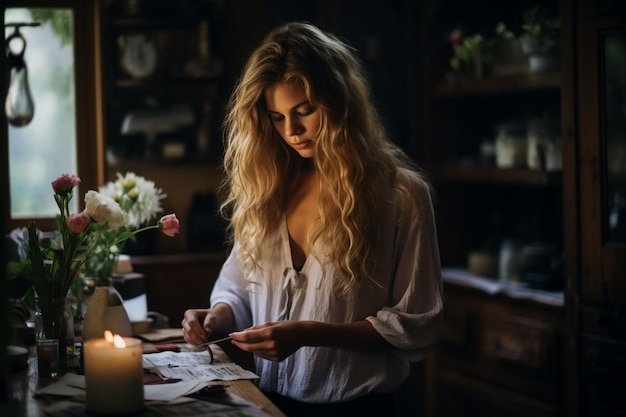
x=114, y=375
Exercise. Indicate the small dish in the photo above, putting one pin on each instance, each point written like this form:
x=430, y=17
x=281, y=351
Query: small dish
x=18, y=356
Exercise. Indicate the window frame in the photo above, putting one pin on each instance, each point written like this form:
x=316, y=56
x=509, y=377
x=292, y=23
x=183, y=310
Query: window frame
x=89, y=102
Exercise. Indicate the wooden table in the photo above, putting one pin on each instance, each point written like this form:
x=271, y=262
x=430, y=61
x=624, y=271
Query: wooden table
x=25, y=381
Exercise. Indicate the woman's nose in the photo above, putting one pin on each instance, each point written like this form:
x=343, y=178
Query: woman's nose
x=293, y=127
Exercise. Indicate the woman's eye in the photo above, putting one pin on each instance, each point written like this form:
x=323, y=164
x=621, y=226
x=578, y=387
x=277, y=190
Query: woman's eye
x=306, y=112
x=277, y=118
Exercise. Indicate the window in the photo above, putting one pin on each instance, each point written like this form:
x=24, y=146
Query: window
x=46, y=147
x=65, y=134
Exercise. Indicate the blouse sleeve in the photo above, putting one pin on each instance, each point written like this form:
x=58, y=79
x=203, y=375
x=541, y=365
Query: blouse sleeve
x=231, y=288
x=411, y=322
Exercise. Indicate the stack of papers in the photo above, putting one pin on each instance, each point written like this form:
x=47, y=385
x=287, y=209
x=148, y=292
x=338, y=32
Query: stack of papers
x=73, y=385
x=192, y=373
x=193, y=366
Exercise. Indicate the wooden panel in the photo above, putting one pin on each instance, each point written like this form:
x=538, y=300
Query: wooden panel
x=602, y=374
x=461, y=396
x=517, y=340
x=177, y=282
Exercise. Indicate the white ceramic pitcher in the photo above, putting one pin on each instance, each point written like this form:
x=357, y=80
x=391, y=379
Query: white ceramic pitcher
x=105, y=312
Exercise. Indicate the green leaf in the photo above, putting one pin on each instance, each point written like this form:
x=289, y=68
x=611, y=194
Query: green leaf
x=35, y=251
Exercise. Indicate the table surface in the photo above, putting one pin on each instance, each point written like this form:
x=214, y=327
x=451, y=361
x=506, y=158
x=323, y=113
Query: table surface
x=23, y=383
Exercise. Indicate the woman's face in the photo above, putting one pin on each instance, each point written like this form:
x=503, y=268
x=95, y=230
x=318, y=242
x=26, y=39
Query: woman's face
x=294, y=118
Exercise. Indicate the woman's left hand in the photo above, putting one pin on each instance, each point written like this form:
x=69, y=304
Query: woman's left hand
x=274, y=341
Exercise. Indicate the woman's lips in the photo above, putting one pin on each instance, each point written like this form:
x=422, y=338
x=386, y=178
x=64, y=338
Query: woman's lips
x=301, y=145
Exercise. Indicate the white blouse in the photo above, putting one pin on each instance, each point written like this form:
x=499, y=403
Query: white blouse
x=407, y=313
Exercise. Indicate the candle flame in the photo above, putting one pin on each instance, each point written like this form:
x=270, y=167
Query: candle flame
x=108, y=336
x=118, y=341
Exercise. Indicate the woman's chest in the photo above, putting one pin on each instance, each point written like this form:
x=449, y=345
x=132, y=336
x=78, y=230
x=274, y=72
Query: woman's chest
x=302, y=213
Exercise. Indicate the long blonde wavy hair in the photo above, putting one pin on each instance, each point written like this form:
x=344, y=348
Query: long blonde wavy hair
x=354, y=157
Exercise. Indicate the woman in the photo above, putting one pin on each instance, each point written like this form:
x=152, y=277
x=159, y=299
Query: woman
x=334, y=280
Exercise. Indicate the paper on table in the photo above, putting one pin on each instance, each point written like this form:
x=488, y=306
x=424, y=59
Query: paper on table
x=169, y=392
x=193, y=366
x=168, y=358
x=222, y=372
x=72, y=385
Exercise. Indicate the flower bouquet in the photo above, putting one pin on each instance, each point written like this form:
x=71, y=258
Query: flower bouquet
x=53, y=261
x=140, y=200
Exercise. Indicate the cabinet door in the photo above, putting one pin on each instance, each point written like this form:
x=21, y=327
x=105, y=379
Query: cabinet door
x=601, y=290
x=602, y=130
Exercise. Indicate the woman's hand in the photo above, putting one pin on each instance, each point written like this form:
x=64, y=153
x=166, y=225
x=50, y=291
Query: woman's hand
x=274, y=341
x=199, y=324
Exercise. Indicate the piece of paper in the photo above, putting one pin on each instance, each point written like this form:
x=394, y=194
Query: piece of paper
x=73, y=385
x=158, y=392
x=169, y=358
x=222, y=372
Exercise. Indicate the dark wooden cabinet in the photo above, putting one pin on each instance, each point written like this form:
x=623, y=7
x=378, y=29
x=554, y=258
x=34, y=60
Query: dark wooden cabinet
x=498, y=355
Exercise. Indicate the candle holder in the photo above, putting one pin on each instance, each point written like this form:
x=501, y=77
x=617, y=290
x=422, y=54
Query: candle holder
x=114, y=375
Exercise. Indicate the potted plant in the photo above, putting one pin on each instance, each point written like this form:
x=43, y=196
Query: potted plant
x=540, y=38
x=473, y=55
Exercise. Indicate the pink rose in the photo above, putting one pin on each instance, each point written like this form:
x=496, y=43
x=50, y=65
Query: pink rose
x=170, y=225
x=78, y=222
x=456, y=37
x=65, y=183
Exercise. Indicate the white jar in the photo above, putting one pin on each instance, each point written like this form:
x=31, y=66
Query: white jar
x=511, y=145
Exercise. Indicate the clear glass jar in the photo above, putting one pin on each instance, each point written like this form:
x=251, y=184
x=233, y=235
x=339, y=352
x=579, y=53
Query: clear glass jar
x=54, y=319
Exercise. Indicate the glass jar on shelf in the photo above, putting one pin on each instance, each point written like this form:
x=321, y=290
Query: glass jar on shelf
x=511, y=145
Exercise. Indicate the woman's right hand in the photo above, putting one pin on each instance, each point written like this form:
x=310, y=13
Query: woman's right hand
x=198, y=324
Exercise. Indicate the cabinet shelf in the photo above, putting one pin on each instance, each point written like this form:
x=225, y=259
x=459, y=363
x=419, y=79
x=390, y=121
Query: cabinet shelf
x=480, y=175
x=156, y=23
x=537, y=81
x=463, y=278
x=153, y=82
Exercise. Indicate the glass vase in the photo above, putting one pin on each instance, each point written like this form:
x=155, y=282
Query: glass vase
x=54, y=319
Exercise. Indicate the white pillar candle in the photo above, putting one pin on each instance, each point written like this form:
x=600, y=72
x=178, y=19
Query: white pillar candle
x=114, y=375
